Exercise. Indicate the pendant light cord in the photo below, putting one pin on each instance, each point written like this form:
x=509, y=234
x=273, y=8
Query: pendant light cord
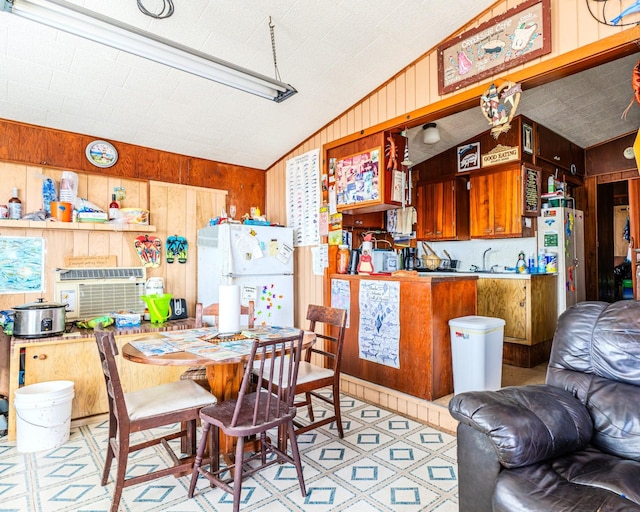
x=165, y=12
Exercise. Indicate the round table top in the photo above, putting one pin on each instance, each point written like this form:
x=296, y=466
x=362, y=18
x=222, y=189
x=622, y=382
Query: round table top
x=131, y=353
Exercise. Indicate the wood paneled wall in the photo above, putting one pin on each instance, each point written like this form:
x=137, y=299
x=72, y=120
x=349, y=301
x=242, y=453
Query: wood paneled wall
x=44, y=147
x=411, y=98
x=175, y=209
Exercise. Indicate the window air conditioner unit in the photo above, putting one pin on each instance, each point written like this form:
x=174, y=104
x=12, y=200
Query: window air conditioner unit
x=91, y=292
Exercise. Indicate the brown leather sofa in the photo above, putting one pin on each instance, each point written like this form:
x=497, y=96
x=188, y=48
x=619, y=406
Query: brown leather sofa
x=571, y=444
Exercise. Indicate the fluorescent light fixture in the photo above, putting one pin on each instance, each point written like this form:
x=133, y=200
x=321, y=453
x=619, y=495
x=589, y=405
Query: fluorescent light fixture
x=82, y=22
x=431, y=133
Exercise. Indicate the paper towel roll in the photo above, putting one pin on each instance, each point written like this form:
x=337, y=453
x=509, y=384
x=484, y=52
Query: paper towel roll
x=229, y=309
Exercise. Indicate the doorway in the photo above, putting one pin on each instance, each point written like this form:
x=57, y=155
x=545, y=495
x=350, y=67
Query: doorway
x=614, y=269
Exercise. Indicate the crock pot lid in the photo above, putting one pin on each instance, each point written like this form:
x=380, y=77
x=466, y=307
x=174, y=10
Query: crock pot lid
x=39, y=304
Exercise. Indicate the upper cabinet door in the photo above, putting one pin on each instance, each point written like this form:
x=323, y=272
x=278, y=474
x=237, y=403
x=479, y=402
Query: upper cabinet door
x=496, y=204
x=553, y=148
x=481, y=205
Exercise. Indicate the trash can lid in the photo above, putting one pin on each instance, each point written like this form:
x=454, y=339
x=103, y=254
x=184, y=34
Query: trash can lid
x=477, y=322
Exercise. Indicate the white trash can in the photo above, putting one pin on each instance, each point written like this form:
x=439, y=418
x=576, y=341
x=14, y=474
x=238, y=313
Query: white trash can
x=43, y=415
x=476, y=353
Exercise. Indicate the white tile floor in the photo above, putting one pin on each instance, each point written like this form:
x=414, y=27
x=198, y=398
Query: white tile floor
x=386, y=462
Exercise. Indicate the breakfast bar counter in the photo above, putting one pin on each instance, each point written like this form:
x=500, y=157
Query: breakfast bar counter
x=424, y=306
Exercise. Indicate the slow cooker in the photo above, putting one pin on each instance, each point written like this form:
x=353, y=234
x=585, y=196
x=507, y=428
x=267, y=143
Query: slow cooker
x=39, y=319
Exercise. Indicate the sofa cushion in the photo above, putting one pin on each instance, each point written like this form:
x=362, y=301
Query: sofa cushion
x=616, y=423
x=587, y=480
x=596, y=357
x=526, y=424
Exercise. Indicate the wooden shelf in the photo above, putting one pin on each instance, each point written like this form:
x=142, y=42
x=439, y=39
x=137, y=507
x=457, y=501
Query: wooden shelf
x=75, y=226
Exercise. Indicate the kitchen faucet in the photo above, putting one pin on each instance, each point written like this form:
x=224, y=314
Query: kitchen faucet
x=484, y=261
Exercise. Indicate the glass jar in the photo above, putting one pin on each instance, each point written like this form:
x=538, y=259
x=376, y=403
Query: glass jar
x=343, y=259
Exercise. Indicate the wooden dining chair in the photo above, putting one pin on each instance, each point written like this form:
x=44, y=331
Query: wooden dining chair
x=158, y=406
x=329, y=326
x=253, y=413
x=199, y=373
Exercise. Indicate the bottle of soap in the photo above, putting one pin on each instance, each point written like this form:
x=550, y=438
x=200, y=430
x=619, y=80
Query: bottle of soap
x=521, y=264
x=15, y=205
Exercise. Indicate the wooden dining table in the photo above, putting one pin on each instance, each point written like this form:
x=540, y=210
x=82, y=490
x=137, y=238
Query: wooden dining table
x=223, y=375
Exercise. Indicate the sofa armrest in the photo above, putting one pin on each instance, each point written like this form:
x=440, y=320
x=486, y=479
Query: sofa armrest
x=526, y=424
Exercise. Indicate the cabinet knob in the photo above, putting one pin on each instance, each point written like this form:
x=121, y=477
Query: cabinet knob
x=40, y=356
x=522, y=303
x=556, y=157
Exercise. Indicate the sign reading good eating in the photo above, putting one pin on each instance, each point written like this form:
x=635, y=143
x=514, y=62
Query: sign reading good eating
x=500, y=154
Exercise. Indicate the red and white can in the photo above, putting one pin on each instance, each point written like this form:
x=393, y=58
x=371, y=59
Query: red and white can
x=4, y=211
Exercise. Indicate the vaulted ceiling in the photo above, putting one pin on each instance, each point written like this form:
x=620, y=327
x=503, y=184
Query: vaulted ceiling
x=334, y=52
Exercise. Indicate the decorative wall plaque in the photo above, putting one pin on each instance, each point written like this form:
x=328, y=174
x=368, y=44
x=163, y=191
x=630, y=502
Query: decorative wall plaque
x=499, y=104
x=531, y=190
x=519, y=35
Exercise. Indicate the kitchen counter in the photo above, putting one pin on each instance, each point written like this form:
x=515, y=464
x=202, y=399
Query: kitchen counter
x=78, y=333
x=482, y=275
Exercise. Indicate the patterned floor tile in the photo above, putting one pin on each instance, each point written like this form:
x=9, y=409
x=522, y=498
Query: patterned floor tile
x=385, y=463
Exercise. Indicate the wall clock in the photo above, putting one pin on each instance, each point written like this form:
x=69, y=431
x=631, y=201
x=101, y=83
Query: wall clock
x=101, y=153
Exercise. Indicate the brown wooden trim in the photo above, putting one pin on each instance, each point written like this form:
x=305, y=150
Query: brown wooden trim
x=617, y=176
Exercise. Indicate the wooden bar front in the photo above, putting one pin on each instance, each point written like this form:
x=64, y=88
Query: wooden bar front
x=426, y=306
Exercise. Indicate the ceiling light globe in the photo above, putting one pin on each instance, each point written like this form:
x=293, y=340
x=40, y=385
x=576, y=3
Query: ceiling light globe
x=431, y=133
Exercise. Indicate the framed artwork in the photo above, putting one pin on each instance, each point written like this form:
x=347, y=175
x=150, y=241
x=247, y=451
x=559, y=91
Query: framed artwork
x=519, y=35
x=358, y=178
x=531, y=188
x=22, y=264
x=468, y=157
x=527, y=139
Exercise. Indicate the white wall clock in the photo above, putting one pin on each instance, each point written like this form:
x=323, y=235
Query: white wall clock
x=101, y=153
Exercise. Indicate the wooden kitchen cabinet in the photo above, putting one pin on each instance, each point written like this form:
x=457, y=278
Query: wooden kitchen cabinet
x=373, y=220
x=495, y=204
x=443, y=210
x=77, y=360
x=557, y=150
x=363, y=173
x=529, y=308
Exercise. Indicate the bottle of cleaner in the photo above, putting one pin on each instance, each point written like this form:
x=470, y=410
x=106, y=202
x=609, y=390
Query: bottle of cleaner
x=542, y=262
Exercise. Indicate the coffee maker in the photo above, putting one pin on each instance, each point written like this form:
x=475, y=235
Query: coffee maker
x=410, y=258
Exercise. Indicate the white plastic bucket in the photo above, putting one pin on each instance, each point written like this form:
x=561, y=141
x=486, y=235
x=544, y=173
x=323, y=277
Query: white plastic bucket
x=43, y=415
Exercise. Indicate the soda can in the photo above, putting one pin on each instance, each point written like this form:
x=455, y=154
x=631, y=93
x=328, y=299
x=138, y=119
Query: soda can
x=4, y=211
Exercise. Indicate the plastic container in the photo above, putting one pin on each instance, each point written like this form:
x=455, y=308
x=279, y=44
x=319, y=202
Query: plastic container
x=134, y=216
x=476, y=352
x=552, y=262
x=627, y=289
x=43, y=415
x=61, y=211
x=342, y=266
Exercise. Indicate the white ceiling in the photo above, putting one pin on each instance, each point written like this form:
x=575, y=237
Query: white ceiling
x=334, y=52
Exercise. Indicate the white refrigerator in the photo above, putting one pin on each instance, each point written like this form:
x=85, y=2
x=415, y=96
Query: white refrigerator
x=257, y=258
x=561, y=232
